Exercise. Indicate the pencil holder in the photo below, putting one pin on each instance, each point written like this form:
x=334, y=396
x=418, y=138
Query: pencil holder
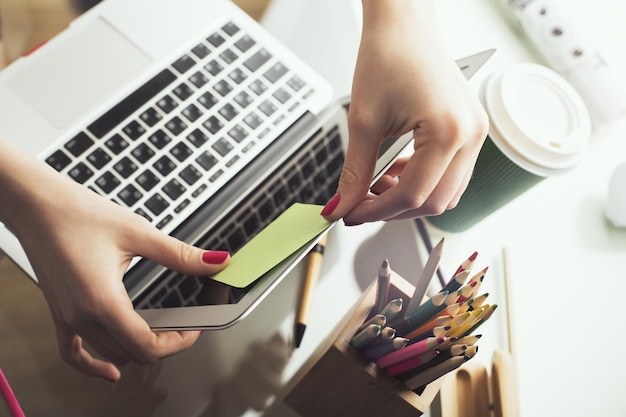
x=339, y=381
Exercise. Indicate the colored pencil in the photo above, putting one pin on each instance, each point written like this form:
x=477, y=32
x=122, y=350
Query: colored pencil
x=375, y=351
x=462, y=330
x=430, y=374
x=9, y=396
x=412, y=363
x=431, y=324
x=470, y=352
x=423, y=313
x=477, y=302
x=465, y=291
x=382, y=288
x=468, y=340
x=388, y=333
x=377, y=319
x=392, y=309
x=365, y=336
x=489, y=311
x=425, y=277
x=434, y=332
x=411, y=351
x=461, y=274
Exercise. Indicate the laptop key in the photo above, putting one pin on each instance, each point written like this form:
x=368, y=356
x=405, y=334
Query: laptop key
x=276, y=72
x=216, y=39
x=213, y=67
x=167, y=104
x=206, y=160
x=228, y=111
x=164, y=221
x=201, y=50
x=80, y=173
x=238, y=133
x=208, y=100
x=130, y=195
x=125, y=167
x=198, y=79
x=258, y=87
x=213, y=124
x=190, y=175
x=245, y=43
x=192, y=112
x=296, y=83
x=142, y=153
x=243, y=99
x=253, y=120
x=281, y=95
x=197, y=138
x=184, y=63
x=58, y=160
x=238, y=76
x=147, y=180
x=257, y=60
x=116, y=144
x=174, y=189
x=267, y=107
x=151, y=116
x=181, y=151
x=176, y=125
x=79, y=144
x=157, y=204
x=229, y=56
x=223, y=88
x=230, y=28
x=222, y=147
x=164, y=166
x=108, y=182
x=159, y=139
x=134, y=130
x=182, y=91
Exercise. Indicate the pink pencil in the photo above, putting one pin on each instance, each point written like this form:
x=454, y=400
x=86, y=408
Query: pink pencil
x=409, y=352
x=412, y=363
x=9, y=397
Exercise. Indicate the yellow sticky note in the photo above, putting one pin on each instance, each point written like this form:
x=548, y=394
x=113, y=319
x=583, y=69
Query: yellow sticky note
x=292, y=230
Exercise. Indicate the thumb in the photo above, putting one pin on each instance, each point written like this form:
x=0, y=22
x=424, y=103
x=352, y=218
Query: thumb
x=183, y=257
x=355, y=180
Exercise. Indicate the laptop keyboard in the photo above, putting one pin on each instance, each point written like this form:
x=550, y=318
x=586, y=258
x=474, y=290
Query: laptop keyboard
x=310, y=176
x=177, y=139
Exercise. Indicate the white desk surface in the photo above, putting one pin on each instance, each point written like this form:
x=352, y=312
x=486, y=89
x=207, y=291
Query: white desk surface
x=566, y=260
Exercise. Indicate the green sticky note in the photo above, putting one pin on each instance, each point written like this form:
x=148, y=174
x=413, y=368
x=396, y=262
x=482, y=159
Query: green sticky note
x=292, y=230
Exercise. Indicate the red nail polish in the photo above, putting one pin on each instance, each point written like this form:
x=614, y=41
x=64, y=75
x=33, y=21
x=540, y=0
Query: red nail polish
x=214, y=257
x=331, y=205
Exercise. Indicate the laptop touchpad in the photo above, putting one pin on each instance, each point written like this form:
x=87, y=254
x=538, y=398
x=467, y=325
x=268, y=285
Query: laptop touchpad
x=84, y=69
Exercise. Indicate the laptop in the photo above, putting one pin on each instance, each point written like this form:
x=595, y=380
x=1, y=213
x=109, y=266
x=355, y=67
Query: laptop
x=191, y=115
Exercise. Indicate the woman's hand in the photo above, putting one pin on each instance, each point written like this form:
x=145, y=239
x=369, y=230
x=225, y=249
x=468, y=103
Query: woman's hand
x=405, y=81
x=80, y=245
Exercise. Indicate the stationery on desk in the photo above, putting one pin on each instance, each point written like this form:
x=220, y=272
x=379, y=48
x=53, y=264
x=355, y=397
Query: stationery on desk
x=432, y=335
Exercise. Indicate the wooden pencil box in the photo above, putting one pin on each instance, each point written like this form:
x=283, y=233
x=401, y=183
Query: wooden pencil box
x=339, y=381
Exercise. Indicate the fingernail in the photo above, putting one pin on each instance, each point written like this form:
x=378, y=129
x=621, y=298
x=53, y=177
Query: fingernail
x=331, y=205
x=214, y=257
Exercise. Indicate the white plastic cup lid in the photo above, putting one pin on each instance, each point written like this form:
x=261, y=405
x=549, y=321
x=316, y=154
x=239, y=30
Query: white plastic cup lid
x=538, y=120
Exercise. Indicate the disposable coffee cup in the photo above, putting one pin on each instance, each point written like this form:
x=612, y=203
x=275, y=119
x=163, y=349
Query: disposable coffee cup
x=539, y=128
